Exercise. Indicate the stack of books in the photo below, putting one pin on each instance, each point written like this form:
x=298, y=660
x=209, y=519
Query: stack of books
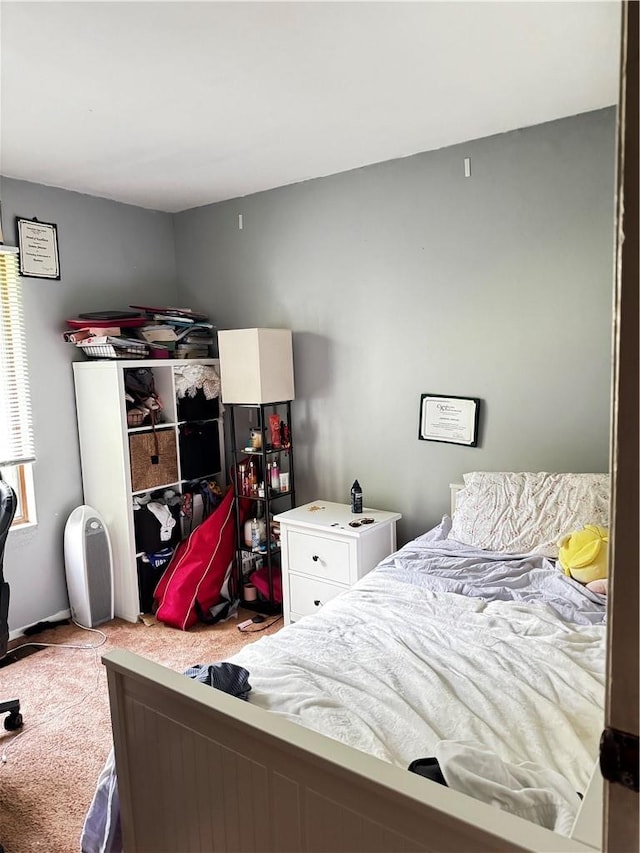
x=185, y=333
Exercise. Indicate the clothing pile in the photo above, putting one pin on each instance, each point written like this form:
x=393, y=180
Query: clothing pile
x=157, y=533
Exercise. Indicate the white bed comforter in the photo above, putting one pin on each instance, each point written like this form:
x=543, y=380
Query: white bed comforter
x=394, y=666
x=440, y=646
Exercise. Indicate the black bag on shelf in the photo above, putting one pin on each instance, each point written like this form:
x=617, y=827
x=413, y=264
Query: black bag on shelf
x=199, y=450
x=198, y=408
x=139, y=384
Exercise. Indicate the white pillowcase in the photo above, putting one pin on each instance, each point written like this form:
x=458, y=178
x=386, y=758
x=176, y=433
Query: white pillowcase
x=524, y=513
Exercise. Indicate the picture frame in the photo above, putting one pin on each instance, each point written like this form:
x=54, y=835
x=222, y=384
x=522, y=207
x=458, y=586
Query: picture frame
x=39, y=255
x=449, y=419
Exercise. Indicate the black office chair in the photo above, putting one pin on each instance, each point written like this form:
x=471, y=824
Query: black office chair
x=8, y=504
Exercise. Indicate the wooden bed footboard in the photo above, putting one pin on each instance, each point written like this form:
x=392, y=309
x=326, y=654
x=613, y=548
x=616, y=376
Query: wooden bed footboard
x=199, y=770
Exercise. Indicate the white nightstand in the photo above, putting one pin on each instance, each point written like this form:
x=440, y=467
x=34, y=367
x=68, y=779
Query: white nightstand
x=323, y=556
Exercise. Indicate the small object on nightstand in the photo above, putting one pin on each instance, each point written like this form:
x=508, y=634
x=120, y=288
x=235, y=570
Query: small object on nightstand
x=356, y=497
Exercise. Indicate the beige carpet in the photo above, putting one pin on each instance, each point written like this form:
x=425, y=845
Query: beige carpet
x=51, y=768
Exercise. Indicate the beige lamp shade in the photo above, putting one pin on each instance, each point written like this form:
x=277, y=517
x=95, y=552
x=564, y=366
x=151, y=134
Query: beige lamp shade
x=256, y=365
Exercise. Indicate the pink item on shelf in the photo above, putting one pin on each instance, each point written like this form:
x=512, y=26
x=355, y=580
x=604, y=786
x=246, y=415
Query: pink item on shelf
x=260, y=579
x=124, y=323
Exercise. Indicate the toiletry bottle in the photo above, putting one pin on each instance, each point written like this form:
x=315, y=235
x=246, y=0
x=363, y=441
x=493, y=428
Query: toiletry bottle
x=255, y=535
x=248, y=533
x=356, y=497
x=253, y=476
x=275, y=476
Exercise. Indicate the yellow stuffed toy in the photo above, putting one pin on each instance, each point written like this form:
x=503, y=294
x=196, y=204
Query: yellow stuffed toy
x=583, y=554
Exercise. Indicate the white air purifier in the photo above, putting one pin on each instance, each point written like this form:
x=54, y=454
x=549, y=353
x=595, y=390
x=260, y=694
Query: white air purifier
x=88, y=567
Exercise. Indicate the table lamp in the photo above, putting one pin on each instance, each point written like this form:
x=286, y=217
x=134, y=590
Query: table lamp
x=256, y=366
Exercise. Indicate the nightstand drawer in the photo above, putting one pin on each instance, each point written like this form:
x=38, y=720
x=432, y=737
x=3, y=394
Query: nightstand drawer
x=307, y=595
x=317, y=555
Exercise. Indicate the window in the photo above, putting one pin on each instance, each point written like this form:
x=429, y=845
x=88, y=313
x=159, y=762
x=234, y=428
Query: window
x=20, y=479
x=16, y=433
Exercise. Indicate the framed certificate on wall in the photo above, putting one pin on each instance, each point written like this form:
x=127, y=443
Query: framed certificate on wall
x=453, y=420
x=38, y=245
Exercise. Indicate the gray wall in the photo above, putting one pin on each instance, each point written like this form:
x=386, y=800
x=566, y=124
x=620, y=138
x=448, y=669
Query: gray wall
x=110, y=255
x=404, y=278
x=396, y=279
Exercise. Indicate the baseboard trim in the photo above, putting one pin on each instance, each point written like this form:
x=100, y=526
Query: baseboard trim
x=16, y=636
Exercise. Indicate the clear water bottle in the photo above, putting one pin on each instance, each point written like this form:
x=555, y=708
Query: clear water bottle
x=356, y=497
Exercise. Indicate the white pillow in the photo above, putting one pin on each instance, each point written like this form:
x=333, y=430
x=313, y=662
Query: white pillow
x=523, y=513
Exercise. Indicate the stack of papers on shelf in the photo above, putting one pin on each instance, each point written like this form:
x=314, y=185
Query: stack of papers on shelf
x=158, y=333
x=176, y=332
x=192, y=351
x=185, y=314
x=186, y=333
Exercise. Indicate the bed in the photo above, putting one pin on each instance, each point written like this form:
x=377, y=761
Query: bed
x=446, y=648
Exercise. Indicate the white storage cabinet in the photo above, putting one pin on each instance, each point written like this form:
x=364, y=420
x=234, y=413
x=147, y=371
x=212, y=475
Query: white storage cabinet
x=104, y=453
x=323, y=556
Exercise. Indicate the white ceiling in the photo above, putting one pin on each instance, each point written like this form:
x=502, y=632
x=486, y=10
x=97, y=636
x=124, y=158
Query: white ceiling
x=171, y=105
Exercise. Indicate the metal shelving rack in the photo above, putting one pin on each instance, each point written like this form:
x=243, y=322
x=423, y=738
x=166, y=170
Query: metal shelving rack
x=285, y=499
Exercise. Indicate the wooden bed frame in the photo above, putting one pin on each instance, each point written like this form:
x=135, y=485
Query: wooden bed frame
x=199, y=770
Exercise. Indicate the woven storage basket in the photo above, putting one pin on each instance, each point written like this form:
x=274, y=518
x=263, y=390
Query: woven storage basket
x=142, y=448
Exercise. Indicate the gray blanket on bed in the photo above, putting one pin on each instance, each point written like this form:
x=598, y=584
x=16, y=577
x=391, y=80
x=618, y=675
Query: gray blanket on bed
x=443, y=565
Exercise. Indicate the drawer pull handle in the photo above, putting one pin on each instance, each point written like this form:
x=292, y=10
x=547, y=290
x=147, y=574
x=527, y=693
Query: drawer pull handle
x=315, y=558
x=317, y=602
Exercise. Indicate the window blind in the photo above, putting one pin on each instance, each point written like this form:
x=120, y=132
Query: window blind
x=16, y=432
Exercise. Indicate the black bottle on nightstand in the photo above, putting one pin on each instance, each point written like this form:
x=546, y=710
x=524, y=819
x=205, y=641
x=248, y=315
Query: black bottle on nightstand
x=356, y=497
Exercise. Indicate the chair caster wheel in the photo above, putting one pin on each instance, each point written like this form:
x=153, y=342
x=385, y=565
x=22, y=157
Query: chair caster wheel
x=13, y=721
